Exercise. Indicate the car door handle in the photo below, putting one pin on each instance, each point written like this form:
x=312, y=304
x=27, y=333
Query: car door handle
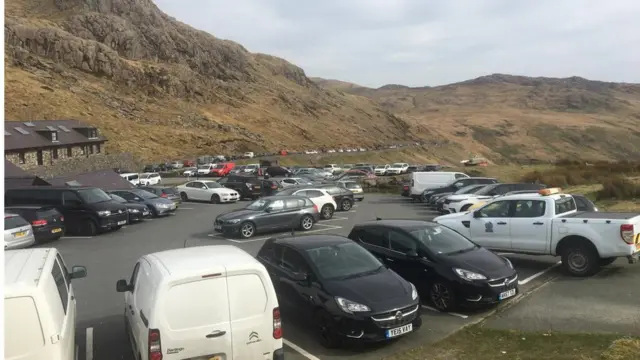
x=390, y=260
x=501, y=223
x=216, y=334
x=538, y=223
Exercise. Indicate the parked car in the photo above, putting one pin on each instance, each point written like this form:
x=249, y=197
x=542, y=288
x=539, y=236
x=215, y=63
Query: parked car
x=251, y=169
x=153, y=168
x=343, y=197
x=584, y=204
x=39, y=300
x=137, y=212
x=455, y=185
x=222, y=169
x=278, y=171
x=148, y=179
x=381, y=170
x=344, y=291
x=157, y=206
x=293, y=181
x=133, y=178
x=269, y=214
x=190, y=171
x=207, y=190
x=176, y=165
x=320, y=197
x=397, y=169
x=167, y=192
x=46, y=222
x=447, y=268
x=206, y=302
x=354, y=187
x=238, y=169
x=462, y=203
x=87, y=211
x=440, y=199
x=18, y=233
x=246, y=186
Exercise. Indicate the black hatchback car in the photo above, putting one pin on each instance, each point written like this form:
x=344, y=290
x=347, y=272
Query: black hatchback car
x=137, y=212
x=447, y=268
x=346, y=292
x=46, y=221
x=248, y=186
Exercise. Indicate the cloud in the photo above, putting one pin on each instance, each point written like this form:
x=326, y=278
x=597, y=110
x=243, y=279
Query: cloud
x=430, y=42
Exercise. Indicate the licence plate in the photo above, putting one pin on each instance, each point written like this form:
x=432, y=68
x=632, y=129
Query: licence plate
x=399, y=331
x=56, y=230
x=20, y=234
x=122, y=222
x=217, y=227
x=507, y=294
x=217, y=357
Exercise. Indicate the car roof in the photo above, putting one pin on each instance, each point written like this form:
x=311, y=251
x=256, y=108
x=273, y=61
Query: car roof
x=24, y=267
x=197, y=260
x=282, y=197
x=307, y=242
x=27, y=207
x=406, y=224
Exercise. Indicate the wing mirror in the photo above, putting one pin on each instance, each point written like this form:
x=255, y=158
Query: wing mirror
x=412, y=254
x=300, y=276
x=78, y=272
x=476, y=214
x=123, y=286
x=137, y=199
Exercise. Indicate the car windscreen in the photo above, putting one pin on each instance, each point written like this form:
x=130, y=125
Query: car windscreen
x=442, y=241
x=258, y=205
x=397, y=165
x=12, y=222
x=133, y=177
x=219, y=166
x=352, y=185
x=93, y=196
x=144, y=194
x=118, y=198
x=342, y=261
x=469, y=189
x=486, y=190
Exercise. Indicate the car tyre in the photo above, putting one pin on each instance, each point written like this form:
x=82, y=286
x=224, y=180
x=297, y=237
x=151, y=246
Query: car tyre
x=89, y=228
x=441, y=296
x=607, y=261
x=306, y=223
x=325, y=329
x=152, y=210
x=580, y=260
x=183, y=196
x=346, y=205
x=247, y=229
x=215, y=199
x=327, y=212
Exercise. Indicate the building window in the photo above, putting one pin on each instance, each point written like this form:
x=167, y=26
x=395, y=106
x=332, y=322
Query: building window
x=21, y=158
x=40, y=157
x=84, y=150
x=54, y=153
x=69, y=151
x=91, y=149
x=93, y=134
x=54, y=136
x=98, y=149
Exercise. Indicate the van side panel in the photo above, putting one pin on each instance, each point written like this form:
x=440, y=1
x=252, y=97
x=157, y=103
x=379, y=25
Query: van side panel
x=421, y=181
x=23, y=335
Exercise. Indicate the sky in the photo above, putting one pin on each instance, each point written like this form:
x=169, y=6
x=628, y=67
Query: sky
x=430, y=42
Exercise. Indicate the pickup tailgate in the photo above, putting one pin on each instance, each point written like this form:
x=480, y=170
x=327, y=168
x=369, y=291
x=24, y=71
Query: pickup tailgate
x=618, y=233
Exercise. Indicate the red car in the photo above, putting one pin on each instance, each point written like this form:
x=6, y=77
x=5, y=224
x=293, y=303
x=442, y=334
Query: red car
x=189, y=163
x=222, y=169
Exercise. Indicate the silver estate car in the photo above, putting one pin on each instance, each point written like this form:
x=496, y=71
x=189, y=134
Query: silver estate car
x=18, y=233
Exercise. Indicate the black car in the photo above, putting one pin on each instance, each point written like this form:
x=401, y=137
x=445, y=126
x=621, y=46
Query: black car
x=269, y=214
x=167, y=192
x=248, y=186
x=87, y=211
x=343, y=197
x=456, y=185
x=47, y=222
x=157, y=206
x=137, y=212
x=344, y=291
x=278, y=171
x=447, y=268
x=583, y=203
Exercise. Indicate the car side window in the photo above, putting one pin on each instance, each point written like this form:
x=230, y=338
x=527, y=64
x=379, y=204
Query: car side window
x=292, y=204
x=61, y=284
x=43, y=197
x=289, y=181
x=277, y=205
x=497, y=209
x=71, y=198
x=374, y=236
x=134, y=275
x=401, y=242
x=460, y=176
x=269, y=253
x=65, y=271
x=125, y=195
x=314, y=193
x=529, y=208
x=293, y=262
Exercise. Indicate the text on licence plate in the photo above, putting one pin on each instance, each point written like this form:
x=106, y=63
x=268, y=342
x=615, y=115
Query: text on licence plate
x=507, y=294
x=122, y=222
x=56, y=230
x=20, y=234
x=399, y=331
x=217, y=227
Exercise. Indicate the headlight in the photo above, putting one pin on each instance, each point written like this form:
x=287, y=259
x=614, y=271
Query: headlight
x=163, y=206
x=134, y=211
x=104, y=213
x=350, y=307
x=469, y=275
x=508, y=262
x=414, y=292
x=233, y=221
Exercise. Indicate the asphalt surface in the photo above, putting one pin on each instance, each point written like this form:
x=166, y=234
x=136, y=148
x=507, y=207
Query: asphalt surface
x=110, y=257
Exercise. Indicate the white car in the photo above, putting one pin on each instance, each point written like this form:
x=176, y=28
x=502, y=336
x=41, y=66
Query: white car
x=332, y=168
x=320, y=198
x=147, y=179
x=310, y=152
x=251, y=168
x=176, y=165
x=205, y=169
x=190, y=171
x=133, y=178
x=248, y=155
x=207, y=190
x=397, y=169
x=295, y=181
x=205, y=302
x=18, y=233
x=381, y=169
x=548, y=223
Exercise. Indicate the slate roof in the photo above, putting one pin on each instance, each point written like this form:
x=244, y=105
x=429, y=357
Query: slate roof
x=104, y=179
x=16, y=177
x=22, y=135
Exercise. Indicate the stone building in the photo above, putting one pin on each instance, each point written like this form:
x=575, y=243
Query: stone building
x=33, y=145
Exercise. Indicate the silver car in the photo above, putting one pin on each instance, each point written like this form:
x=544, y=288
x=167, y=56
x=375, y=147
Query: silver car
x=18, y=233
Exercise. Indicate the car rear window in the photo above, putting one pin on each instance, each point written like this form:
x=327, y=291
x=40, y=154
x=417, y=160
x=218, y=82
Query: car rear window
x=352, y=185
x=170, y=191
x=564, y=205
x=12, y=222
x=22, y=330
x=197, y=304
x=47, y=213
x=241, y=285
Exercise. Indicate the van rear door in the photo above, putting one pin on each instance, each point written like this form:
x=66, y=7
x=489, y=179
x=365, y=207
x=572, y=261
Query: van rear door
x=196, y=319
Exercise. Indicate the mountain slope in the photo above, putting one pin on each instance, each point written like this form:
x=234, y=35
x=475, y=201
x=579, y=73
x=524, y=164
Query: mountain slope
x=160, y=89
x=506, y=117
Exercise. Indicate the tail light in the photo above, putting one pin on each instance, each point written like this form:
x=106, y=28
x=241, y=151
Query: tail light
x=61, y=218
x=274, y=186
x=155, y=349
x=39, y=223
x=277, y=324
x=406, y=187
x=164, y=195
x=315, y=208
x=626, y=232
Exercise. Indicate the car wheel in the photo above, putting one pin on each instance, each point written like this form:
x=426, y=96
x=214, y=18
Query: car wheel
x=346, y=205
x=247, y=230
x=441, y=296
x=215, y=199
x=89, y=228
x=465, y=208
x=152, y=210
x=325, y=329
x=326, y=212
x=580, y=260
x=306, y=223
x=607, y=261
x=183, y=196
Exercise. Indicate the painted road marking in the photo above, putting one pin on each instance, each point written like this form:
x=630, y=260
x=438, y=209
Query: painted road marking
x=329, y=227
x=183, y=208
x=335, y=218
x=77, y=237
x=538, y=274
x=450, y=313
x=89, y=349
x=302, y=351
x=351, y=211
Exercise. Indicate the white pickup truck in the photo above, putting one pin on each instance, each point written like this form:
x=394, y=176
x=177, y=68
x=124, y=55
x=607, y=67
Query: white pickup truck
x=547, y=223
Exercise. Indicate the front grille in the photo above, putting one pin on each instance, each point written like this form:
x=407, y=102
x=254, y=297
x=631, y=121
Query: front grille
x=390, y=319
x=504, y=284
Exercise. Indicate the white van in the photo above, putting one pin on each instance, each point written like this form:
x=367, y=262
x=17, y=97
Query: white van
x=421, y=181
x=39, y=305
x=133, y=178
x=206, y=302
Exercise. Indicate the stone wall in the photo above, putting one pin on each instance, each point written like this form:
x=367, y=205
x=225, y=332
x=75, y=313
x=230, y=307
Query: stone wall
x=52, y=156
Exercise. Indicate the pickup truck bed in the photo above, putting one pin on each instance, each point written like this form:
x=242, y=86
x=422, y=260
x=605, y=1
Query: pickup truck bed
x=601, y=215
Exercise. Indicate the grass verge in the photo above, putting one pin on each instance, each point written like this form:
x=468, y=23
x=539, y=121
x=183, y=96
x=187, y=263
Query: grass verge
x=478, y=343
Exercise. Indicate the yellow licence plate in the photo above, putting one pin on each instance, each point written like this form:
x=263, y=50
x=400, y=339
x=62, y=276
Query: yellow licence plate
x=56, y=230
x=217, y=357
x=20, y=234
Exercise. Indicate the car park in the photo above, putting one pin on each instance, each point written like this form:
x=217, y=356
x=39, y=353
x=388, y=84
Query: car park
x=157, y=206
x=213, y=302
x=447, y=268
x=462, y=203
x=456, y=185
x=323, y=200
x=47, y=223
x=547, y=223
x=137, y=211
x=18, y=233
x=87, y=211
x=207, y=190
x=247, y=186
x=269, y=214
x=344, y=291
x=423, y=181
x=148, y=179
x=39, y=305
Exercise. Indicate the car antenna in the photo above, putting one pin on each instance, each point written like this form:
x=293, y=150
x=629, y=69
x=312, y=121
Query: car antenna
x=184, y=244
x=378, y=219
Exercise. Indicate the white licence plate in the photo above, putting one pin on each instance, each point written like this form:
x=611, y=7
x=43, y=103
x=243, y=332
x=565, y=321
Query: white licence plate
x=217, y=227
x=122, y=222
x=399, y=331
x=507, y=294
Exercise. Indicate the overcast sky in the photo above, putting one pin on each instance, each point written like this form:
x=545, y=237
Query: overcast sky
x=430, y=42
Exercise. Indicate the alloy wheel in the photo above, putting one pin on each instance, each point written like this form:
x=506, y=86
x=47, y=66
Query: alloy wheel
x=307, y=223
x=247, y=230
x=440, y=296
x=346, y=205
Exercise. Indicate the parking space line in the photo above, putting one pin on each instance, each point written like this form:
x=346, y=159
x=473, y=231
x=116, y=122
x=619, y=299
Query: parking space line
x=450, y=313
x=351, y=211
x=300, y=350
x=329, y=227
x=183, y=208
x=336, y=218
x=89, y=348
x=538, y=274
x=77, y=237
